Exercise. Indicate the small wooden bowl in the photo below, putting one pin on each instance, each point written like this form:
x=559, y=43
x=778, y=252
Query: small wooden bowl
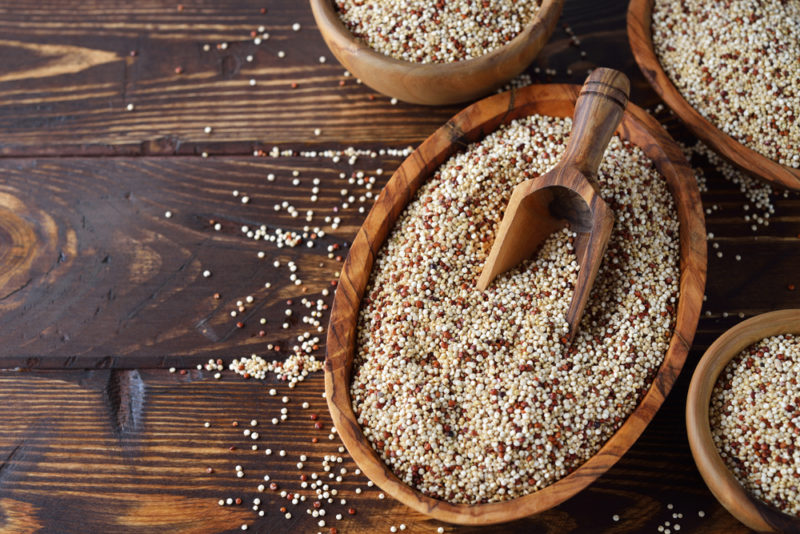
x=436, y=83
x=640, y=36
x=751, y=511
x=470, y=125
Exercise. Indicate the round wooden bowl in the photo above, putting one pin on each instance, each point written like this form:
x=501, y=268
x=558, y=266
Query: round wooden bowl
x=471, y=125
x=436, y=83
x=751, y=511
x=640, y=36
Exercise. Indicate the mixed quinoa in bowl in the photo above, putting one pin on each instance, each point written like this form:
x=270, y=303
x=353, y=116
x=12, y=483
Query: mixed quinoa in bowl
x=473, y=407
x=423, y=31
x=738, y=64
x=436, y=52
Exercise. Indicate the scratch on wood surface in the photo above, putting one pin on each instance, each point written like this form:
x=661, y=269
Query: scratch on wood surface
x=20, y=288
x=8, y=459
x=124, y=394
x=203, y=327
x=150, y=299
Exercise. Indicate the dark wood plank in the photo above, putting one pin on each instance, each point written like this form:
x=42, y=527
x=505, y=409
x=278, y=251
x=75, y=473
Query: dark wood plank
x=96, y=275
x=127, y=450
x=67, y=90
x=67, y=77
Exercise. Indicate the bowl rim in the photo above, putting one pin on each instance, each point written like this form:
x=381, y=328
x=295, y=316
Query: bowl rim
x=345, y=39
x=639, y=19
x=748, y=509
x=473, y=123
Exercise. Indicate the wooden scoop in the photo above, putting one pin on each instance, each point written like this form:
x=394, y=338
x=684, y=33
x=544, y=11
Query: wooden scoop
x=567, y=195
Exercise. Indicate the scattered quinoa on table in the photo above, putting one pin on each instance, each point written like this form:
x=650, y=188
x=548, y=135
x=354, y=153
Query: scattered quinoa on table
x=755, y=420
x=435, y=31
x=738, y=64
x=474, y=397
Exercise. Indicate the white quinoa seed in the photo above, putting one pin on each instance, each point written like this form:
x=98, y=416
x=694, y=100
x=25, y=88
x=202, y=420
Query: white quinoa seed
x=295, y=367
x=757, y=192
x=737, y=63
x=755, y=420
x=420, y=31
x=478, y=387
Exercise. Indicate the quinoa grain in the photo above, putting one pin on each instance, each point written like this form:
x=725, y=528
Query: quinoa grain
x=738, y=64
x=473, y=397
x=755, y=420
x=426, y=31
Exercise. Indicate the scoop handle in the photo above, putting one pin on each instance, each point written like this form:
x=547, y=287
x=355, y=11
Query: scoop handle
x=598, y=112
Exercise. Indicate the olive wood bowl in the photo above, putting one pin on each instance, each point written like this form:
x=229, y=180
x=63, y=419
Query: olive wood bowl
x=748, y=509
x=640, y=37
x=472, y=124
x=436, y=83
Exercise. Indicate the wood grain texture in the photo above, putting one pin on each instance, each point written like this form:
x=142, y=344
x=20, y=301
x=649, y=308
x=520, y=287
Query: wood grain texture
x=438, y=83
x=74, y=107
x=94, y=274
x=749, y=510
x=74, y=454
x=69, y=463
x=641, y=43
x=146, y=470
x=468, y=126
x=66, y=77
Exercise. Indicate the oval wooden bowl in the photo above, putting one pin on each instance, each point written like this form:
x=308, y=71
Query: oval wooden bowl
x=470, y=125
x=436, y=83
x=749, y=510
x=640, y=36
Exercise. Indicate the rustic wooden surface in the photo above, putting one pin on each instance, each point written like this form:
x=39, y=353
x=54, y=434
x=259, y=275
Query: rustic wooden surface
x=100, y=292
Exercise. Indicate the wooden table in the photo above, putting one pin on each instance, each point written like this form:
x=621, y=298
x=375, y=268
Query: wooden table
x=101, y=293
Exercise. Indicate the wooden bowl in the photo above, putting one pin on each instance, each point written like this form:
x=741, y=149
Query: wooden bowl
x=470, y=125
x=751, y=511
x=436, y=83
x=639, y=34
